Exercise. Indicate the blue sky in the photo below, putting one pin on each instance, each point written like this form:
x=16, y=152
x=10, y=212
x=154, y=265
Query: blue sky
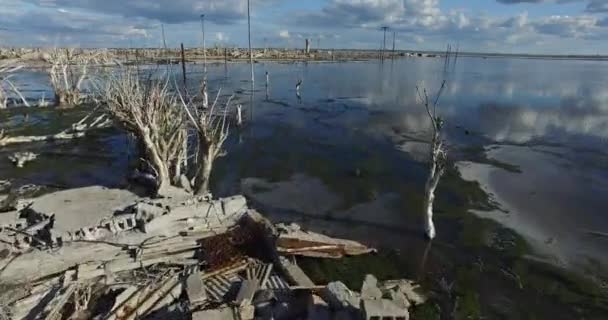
x=510, y=26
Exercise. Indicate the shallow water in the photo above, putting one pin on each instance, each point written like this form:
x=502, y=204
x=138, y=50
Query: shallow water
x=527, y=139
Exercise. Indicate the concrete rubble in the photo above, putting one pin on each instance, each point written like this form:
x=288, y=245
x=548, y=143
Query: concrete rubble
x=177, y=257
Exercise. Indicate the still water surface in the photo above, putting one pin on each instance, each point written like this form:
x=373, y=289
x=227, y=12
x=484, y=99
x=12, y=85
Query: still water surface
x=527, y=146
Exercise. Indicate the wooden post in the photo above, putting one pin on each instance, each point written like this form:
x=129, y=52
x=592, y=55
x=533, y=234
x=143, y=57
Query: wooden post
x=183, y=65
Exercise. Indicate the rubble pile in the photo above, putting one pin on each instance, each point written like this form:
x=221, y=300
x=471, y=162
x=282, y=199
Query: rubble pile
x=179, y=258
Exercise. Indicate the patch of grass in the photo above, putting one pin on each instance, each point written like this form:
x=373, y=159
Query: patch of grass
x=468, y=306
x=427, y=311
x=352, y=270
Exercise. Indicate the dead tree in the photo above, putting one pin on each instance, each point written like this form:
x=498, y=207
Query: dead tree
x=67, y=73
x=211, y=133
x=77, y=130
x=438, y=157
x=150, y=111
x=7, y=70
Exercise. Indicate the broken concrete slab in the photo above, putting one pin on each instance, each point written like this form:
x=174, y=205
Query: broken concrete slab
x=411, y=290
x=215, y=314
x=383, y=309
x=400, y=299
x=195, y=287
x=294, y=273
x=248, y=289
x=83, y=207
x=369, y=288
x=339, y=296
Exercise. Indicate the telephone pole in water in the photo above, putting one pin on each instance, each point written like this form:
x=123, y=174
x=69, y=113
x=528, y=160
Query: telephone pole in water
x=249, y=31
x=204, y=46
x=384, y=42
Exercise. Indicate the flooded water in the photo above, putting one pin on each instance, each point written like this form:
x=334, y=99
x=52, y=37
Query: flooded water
x=527, y=182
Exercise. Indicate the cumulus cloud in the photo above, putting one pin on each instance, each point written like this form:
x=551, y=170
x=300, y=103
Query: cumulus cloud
x=597, y=6
x=593, y=6
x=351, y=23
x=167, y=11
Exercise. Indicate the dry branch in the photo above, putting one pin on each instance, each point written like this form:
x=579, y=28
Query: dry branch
x=77, y=130
x=212, y=132
x=438, y=159
x=149, y=111
x=68, y=71
x=7, y=70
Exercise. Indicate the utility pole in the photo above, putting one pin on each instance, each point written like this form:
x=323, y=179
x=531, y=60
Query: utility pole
x=394, y=34
x=204, y=47
x=249, y=31
x=162, y=29
x=384, y=42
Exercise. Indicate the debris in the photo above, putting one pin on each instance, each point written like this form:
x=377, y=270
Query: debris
x=339, y=296
x=195, y=287
x=294, y=273
x=208, y=259
x=248, y=288
x=19, y=159
x=294, y=241
x=214, y=314
x=383, y=309
x=369, y=289
x=408, y=288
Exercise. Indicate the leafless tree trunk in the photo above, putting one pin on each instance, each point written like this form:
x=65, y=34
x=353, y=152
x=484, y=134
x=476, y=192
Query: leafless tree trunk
x=67, y=73
x=151, y=112
x=211, y=133
x=438, y=159
x=6, y=85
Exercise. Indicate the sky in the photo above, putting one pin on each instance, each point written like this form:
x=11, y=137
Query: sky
x=505, y=26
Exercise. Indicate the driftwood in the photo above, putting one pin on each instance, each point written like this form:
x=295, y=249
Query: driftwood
x=78, y=130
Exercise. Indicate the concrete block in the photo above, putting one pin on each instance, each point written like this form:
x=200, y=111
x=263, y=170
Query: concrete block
x=195, y=287
x=247, y=291
x=383, y=309
x=234, y=205
x=339, y=296
x=369, y=289
x=215, y=314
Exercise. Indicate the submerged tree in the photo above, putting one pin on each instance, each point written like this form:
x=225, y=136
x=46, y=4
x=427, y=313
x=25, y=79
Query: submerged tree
x=7, y=70
x=69, y=69
x=161, y=118
x=437, y=160
x=148, y=110
x=211, y=133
